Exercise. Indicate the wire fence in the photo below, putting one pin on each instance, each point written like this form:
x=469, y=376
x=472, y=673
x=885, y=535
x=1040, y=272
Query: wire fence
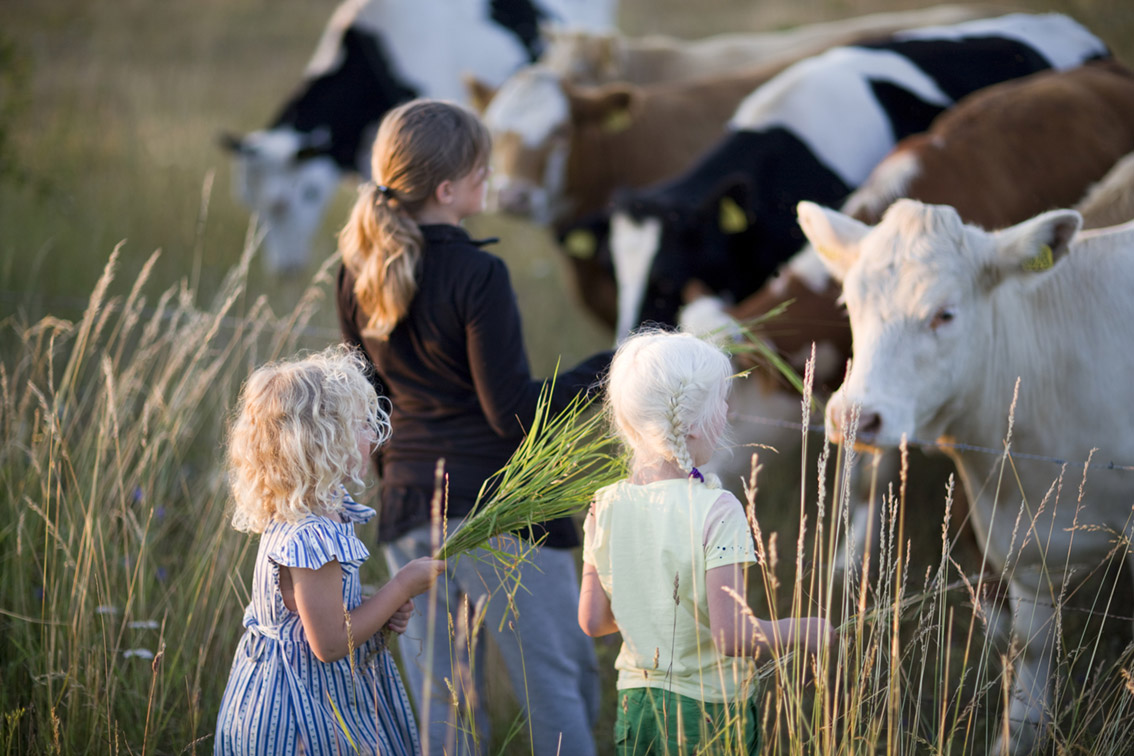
x=936, y=445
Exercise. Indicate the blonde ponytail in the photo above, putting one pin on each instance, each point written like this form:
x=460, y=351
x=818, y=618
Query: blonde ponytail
x=381, y=246
x=419, y=145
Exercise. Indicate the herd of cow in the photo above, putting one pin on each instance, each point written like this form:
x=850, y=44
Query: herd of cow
x=690, y=181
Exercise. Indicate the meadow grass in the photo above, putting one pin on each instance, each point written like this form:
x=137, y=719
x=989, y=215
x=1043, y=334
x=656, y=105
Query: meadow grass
x=124, y=584
x=115, y=384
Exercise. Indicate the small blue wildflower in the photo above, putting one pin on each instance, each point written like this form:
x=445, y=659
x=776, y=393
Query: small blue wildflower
x=137, y=494
x=162, y=574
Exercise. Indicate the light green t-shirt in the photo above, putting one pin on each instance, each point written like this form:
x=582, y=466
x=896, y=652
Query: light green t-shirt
x=651, y=546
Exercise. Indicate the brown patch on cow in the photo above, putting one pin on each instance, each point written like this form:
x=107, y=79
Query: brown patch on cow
x=1016, y=149
x=810, y=317
x=510, y=157
x=480, y=93
x=671, y=124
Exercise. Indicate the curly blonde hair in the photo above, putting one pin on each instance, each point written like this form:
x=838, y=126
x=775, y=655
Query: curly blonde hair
x=294, y=439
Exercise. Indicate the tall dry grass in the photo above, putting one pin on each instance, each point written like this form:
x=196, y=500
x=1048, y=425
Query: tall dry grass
x=111, y=407
x=123, y=584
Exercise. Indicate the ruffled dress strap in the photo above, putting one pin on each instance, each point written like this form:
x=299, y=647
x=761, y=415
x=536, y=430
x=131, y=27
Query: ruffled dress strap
x=318, y=540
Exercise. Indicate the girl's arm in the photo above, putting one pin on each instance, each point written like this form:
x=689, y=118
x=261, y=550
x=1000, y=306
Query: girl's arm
x=318, y=599
x=595, y=616
x=737, y=632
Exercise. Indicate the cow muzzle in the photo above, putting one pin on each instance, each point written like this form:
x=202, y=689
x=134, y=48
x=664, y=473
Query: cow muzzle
x=849, y=419
x=517, y=198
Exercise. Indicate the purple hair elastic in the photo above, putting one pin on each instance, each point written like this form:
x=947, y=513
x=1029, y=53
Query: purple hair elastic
x=695, y=473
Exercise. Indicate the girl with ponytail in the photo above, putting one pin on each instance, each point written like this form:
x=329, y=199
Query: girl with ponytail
x=437, y=316
x=664, y=559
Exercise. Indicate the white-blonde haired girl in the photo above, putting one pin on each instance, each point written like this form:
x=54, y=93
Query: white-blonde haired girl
x=665, y=554
x=311, y=673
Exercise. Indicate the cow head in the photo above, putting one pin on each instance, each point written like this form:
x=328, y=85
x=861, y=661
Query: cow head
x=586, y=244
x=287, y=178
x=661, y=242
x=580, y=55
x=926, y=298
x=533, y=118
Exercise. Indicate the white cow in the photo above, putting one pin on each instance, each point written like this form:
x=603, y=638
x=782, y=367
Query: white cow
x=945, y=318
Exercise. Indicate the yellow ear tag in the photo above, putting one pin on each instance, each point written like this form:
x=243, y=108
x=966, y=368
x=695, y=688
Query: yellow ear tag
x=617, y=120
x=581, y=244
x=732, y=218
x=1042, y=261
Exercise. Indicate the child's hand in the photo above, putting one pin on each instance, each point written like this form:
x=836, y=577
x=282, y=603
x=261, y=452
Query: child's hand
x=400, y=620
x=419, y=575
x=815, y=633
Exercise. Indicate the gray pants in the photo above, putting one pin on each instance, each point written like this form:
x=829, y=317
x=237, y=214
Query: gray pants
x=550, y=661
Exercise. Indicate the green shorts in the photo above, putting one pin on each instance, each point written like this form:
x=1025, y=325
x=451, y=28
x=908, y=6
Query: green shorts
x=655, y=721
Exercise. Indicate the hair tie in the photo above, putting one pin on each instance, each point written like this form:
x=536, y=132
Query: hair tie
x=384, y=190
x=696, y=475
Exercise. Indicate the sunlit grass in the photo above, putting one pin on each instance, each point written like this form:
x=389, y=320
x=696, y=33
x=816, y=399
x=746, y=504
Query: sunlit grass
x=114, y=543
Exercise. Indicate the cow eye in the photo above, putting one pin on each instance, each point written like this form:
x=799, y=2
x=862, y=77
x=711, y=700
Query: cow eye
x=941, y=317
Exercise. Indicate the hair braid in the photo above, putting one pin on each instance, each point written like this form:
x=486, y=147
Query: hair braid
x=678, y=427
x=661, y=388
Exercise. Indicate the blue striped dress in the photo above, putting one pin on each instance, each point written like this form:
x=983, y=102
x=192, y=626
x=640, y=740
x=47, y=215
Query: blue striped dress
x=280, y=698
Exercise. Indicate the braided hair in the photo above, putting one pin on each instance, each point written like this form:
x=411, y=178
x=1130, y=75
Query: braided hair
x=664, y=386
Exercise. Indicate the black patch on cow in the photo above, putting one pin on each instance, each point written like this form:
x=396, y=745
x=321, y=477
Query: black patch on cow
x=908, y=113
x=522, y=18
x=963, y=66
x=766, y=173
x=348, y=99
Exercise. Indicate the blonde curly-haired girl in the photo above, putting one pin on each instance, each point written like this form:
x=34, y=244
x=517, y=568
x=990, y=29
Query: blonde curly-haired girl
x=311, y=674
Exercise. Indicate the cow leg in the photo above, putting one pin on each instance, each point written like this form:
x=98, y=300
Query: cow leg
x=1034, y=626
x=863, y=503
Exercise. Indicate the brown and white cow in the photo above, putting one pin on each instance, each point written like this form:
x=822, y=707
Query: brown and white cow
x=590, y=57
x=1013, y=149
x=1110, y=201
x=953, y=326
x=561, y=150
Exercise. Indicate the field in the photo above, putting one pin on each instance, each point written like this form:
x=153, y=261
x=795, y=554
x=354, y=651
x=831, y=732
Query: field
x=130, y=314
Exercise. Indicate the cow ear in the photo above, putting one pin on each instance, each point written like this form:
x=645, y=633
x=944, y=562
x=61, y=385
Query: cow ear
x=1036, y=244
x=833, y=235
x=231, y=142
x=610, y=106
x=480, y=93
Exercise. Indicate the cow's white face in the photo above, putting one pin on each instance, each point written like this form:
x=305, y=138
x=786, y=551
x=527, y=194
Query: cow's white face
x=922, y=290
x=287, y=190
x=633, y=247
x=529, y=118
x=912, y=294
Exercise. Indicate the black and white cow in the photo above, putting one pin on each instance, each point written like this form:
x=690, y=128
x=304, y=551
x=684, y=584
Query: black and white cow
x=373, y=55
x=812, y=133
